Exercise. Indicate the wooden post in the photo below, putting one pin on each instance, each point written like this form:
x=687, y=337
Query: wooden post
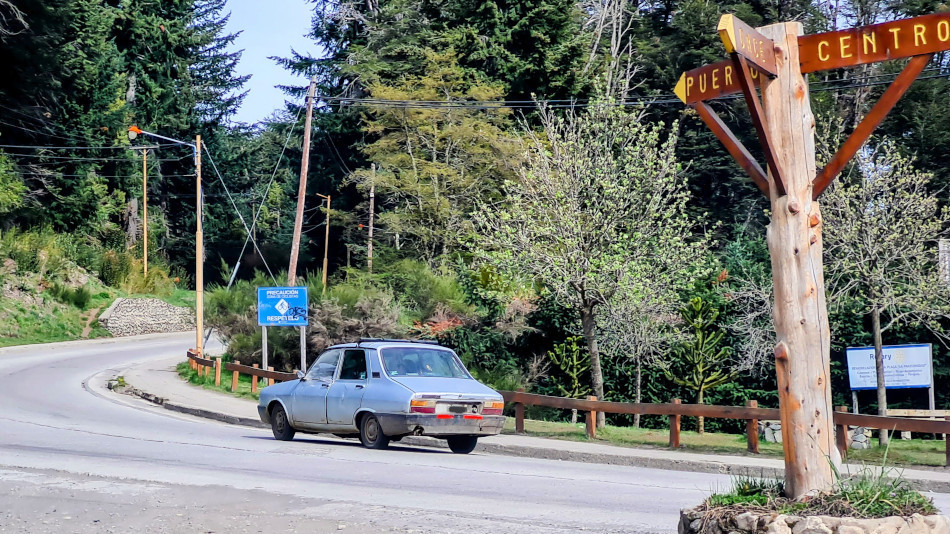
x=519, y=415
x=199, y=257
x=752, y=429
x=217, y=372
x=254, y=381
x=947, y=447
x=675, y=428
x=145, y=213
x=802, y=354
x=841, y=434
x=372, y=209
x=302, y=188
x=235, y=376
x=591, y=420
x=270, y=381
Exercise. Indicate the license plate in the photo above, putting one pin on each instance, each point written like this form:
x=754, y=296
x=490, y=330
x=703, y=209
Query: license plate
x=458, y=409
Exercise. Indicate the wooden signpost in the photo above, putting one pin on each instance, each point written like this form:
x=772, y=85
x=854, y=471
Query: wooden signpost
x=771, y=61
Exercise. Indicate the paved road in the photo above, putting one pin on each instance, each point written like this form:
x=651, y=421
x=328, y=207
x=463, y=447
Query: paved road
x=75, y=459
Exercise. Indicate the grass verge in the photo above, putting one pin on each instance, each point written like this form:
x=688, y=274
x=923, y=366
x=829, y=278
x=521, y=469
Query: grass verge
x=244, y=382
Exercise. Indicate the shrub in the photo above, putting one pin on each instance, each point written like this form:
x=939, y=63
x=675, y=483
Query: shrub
x=114, y=266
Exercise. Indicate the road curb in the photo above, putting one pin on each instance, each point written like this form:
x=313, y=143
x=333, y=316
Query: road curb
x=543, y=453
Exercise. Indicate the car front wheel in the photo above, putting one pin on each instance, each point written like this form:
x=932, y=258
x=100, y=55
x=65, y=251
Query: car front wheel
x=280, y=425
x=371, y=434
x=462, y=444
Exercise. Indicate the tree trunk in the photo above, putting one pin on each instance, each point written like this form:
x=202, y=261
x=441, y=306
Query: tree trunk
x=701, y=423
x=589, y=326
x=637, y=392
x=879, y=367
x=803, y=351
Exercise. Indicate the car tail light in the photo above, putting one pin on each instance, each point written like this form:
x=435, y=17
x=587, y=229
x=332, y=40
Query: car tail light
x=493, y=408
x=422, y=406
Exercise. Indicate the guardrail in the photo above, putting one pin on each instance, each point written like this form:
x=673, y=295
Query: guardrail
x=751, y=413
x=674, y=409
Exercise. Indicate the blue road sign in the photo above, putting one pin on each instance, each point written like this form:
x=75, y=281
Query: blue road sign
x=282, y=306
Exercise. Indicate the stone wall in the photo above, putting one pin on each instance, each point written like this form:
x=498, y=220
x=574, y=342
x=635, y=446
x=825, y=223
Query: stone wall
x=132, y=317
x=694, y=522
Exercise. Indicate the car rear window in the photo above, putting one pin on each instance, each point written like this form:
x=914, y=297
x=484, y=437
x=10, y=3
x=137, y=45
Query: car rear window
x=413, y=361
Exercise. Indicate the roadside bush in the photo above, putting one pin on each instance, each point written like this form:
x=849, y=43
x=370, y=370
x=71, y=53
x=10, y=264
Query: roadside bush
x=114, y=267
x=78, y=297
x=156, y=283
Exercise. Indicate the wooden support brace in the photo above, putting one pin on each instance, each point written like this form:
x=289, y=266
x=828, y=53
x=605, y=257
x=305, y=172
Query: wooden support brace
x=270, y=381
x=675, y=427
x=759, y=121
x=870, y=122
x=254, y=380
x=947, y=447
x=752, y=429
x=217, y=371
x=735, y=147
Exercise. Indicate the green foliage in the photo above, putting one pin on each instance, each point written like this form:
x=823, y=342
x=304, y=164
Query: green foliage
x=701, y=364
x=114, y=267
x=570, y=358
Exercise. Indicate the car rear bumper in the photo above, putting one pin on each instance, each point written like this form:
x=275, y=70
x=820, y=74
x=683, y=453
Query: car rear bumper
x=432, y=425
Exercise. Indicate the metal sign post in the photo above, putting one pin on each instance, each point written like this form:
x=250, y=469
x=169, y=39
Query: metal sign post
x=283, y=306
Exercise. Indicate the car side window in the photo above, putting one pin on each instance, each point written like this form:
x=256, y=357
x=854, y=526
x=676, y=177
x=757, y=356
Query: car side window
x=354, y=365
x=325, y=366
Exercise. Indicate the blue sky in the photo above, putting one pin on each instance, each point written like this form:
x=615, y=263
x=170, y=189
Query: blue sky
x=270, y=28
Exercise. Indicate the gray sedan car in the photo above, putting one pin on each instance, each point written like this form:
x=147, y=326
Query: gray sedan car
x=382, y=390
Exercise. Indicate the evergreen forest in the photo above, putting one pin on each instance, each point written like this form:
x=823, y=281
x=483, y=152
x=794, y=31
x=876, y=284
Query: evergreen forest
x=513, y=178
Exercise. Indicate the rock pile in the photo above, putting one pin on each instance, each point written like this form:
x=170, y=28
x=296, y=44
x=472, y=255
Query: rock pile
x=132, y=317
x=694, y=522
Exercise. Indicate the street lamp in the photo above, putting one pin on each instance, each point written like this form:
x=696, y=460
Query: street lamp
x=135, y=131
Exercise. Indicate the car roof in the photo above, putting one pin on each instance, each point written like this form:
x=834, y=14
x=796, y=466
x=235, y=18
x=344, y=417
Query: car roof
x=375, y=343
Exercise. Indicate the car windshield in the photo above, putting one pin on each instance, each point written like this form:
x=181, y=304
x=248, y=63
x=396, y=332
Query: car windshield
x=413, y=361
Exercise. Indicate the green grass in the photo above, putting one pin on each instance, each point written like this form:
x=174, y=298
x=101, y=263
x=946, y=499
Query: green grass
x=914, y=452
x=244, y=381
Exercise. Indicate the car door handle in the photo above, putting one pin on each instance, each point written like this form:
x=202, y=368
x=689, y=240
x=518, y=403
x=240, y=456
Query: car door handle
x=360, y=386
x=324, y=385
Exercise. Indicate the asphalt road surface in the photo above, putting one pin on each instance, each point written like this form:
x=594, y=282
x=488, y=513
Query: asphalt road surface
x=75, y=459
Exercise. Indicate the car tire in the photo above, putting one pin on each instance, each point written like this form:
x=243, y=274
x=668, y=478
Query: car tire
x=371, y=433
x=462, y=444
x=280, y=425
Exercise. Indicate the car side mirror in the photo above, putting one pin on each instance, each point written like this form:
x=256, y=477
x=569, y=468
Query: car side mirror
x=301, y=375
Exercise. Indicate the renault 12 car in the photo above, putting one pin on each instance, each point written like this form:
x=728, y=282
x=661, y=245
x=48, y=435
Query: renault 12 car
x=381, y=390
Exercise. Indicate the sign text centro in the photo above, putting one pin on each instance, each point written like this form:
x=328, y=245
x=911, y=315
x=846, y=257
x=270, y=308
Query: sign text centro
x=905, y=366
x=282, y=306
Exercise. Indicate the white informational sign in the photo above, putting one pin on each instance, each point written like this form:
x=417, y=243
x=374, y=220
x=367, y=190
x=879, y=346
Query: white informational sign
x=905, y=366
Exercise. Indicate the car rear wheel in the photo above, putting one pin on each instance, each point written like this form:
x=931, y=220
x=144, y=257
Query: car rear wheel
x=462, y=444
x=371, y=434
x=280, y=425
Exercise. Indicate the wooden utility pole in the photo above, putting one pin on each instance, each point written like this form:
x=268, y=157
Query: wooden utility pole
x=199, y=257
x=372, y=207
x=145, y=213
x=774, y=59
x=302, y=189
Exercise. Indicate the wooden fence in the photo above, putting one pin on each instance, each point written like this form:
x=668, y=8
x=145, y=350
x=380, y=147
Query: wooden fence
x=751, y=413
x=675, y=409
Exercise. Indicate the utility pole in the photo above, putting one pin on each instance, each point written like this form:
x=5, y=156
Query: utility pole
x=199, y=257
x=372, y=206
x=145, y=213
x=326, y=244
x=302, y=190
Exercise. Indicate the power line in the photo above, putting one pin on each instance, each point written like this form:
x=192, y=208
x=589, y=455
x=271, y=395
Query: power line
x=114, y=147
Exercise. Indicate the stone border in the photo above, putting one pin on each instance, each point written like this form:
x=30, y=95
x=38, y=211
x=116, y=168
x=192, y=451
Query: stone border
x=694, y=522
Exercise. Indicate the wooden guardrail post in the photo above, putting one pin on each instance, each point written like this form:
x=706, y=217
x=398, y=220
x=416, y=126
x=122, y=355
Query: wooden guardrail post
x=675, y=427
x=254, y=381
x=591, y=420
x=841, y=435
x=217, y=372
x=235, y=376
x=752, y=429
x=519, y=415
x=270, y=381
x=947, y=446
